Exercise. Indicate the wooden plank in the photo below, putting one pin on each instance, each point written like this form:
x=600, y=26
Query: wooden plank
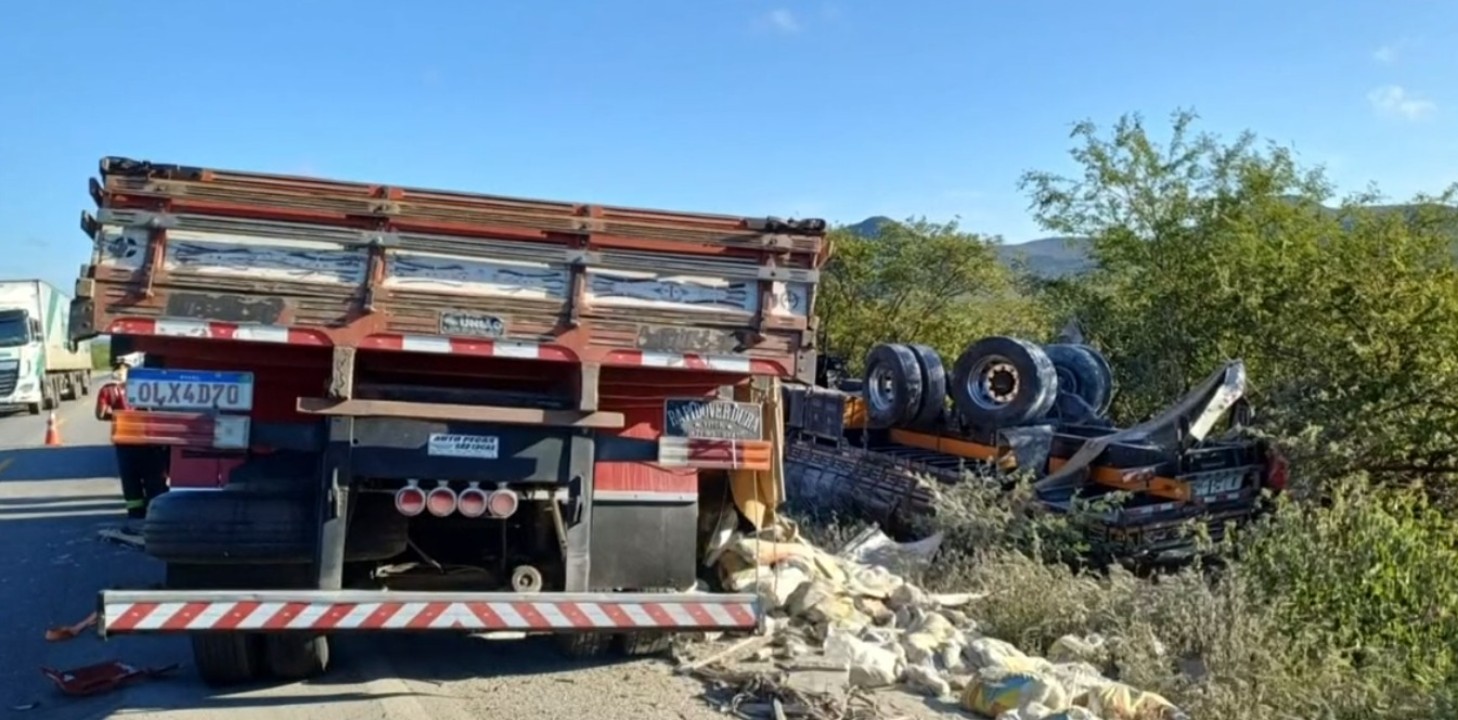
x=465, y=413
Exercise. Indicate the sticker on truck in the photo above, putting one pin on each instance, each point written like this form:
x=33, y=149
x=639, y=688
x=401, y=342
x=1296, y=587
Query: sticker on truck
x=718, y=419
x=152, y=389
x=485, y=447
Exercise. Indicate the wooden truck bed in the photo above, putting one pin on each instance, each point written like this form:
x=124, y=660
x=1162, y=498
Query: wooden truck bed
x=193, y=252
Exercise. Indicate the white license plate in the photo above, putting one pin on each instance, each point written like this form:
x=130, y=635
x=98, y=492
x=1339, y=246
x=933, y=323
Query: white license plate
x=149, y=389
x=484, y=447
x=1220, y=484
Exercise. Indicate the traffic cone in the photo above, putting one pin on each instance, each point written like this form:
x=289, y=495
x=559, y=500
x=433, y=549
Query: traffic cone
x=53, y=434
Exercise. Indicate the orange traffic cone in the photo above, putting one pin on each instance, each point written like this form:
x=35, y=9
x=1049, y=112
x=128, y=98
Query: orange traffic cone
x=53, y=434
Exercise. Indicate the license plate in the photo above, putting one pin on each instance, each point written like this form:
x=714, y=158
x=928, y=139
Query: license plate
x=149, y=389
x=1219, y=484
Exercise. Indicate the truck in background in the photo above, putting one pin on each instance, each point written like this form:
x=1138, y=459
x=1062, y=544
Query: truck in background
x=405, y=410
x=40, y=364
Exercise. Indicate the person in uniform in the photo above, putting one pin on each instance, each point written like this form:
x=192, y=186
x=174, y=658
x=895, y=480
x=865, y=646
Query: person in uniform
x=142, y=469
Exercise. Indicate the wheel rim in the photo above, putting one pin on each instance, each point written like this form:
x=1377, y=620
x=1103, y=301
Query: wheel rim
x=993, y=383
x=881, y=387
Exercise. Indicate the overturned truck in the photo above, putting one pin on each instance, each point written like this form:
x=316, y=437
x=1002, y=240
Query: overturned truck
x=877, y=447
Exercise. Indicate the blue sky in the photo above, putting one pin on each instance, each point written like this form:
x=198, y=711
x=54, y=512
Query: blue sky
x=834, y=108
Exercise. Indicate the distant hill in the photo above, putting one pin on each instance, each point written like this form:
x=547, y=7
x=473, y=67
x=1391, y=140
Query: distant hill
x=1048, y=257
x=1061, y=256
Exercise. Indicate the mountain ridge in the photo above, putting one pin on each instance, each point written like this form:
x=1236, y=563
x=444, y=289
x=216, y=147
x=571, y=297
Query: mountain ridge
x=1047, y=256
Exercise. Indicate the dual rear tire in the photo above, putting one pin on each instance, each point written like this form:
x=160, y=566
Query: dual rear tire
x=233, y=658
x=997, y=382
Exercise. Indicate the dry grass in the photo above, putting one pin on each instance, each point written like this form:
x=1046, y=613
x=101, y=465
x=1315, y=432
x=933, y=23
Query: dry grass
x=1220, y=643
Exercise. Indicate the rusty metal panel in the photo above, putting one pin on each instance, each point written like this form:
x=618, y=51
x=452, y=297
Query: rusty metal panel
x=351, y=260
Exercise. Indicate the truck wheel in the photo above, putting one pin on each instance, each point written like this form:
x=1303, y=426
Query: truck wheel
x=222, y=659
x=49, y=397
x=1003, y=382
x=580, y=646
x=640, y=644
x=85, y=383
x=296, y=656
x=225, y=659
x=1084, y=372
x=893, y=386
x=933, y=386
x=34, y=408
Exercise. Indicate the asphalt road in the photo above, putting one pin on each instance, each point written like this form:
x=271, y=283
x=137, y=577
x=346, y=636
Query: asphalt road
x=53, y=500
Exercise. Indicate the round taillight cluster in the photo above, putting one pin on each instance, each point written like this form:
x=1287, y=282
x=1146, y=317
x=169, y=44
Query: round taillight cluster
x=442, y=501
x=473, y=502
x=410, y=500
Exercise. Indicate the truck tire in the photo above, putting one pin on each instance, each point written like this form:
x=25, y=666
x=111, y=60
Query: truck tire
x=1002, y=382
x=296, y=656
x=85, y=383
x=225, y=659
x=933, y=386
x=582, y=646
x=643, y=644
x=222, y=659
x=893, y=386
x=223, y=527
x=1084, y=372
x=34, y=408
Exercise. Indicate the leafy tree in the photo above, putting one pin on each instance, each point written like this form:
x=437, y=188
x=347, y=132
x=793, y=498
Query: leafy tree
x=918, y=282
x=1346, y=316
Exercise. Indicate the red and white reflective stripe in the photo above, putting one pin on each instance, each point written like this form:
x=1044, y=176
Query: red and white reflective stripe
x=458, y=346
x=689, y=361
x=714, y=454
x=166, y=611
x=631, y=482
x=218, y=331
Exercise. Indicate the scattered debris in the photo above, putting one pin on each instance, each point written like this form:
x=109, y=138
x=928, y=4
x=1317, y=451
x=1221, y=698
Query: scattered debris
x=68, y=632
x=845, y=627
x=766, y=695
x=101, y=677
x=121, y=536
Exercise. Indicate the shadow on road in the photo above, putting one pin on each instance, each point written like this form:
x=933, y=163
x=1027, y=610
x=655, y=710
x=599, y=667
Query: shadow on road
x=58, y=463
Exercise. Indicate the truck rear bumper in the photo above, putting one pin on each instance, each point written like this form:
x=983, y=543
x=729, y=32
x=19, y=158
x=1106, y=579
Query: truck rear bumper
x=183, y=611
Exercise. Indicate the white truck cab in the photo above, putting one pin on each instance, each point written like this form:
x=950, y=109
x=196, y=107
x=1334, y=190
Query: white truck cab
x=39, y=364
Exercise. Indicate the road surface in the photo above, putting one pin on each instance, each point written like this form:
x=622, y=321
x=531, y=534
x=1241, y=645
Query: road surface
x=53, y=500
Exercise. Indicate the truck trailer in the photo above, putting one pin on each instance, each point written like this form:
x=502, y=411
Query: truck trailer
x=40, y=364
x=400, y=409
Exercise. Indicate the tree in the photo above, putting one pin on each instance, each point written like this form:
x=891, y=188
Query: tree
x=918, y=282
x=1346, y=316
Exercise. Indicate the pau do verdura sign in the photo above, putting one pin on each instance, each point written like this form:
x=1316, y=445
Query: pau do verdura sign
x=718, y=419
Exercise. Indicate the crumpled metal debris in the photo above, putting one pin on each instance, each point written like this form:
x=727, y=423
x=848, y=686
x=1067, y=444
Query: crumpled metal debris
x=101, y=677
x=852, y=615
x=69, y=632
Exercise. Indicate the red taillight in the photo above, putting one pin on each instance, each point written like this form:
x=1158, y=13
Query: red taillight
x=441, y=501
x=410, y=500
x=503, y=503
x=473, y=501
x=180, y=429
x=710, y=454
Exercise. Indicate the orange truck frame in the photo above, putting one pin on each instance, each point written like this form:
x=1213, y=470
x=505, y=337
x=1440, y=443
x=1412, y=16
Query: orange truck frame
x=548, y=398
